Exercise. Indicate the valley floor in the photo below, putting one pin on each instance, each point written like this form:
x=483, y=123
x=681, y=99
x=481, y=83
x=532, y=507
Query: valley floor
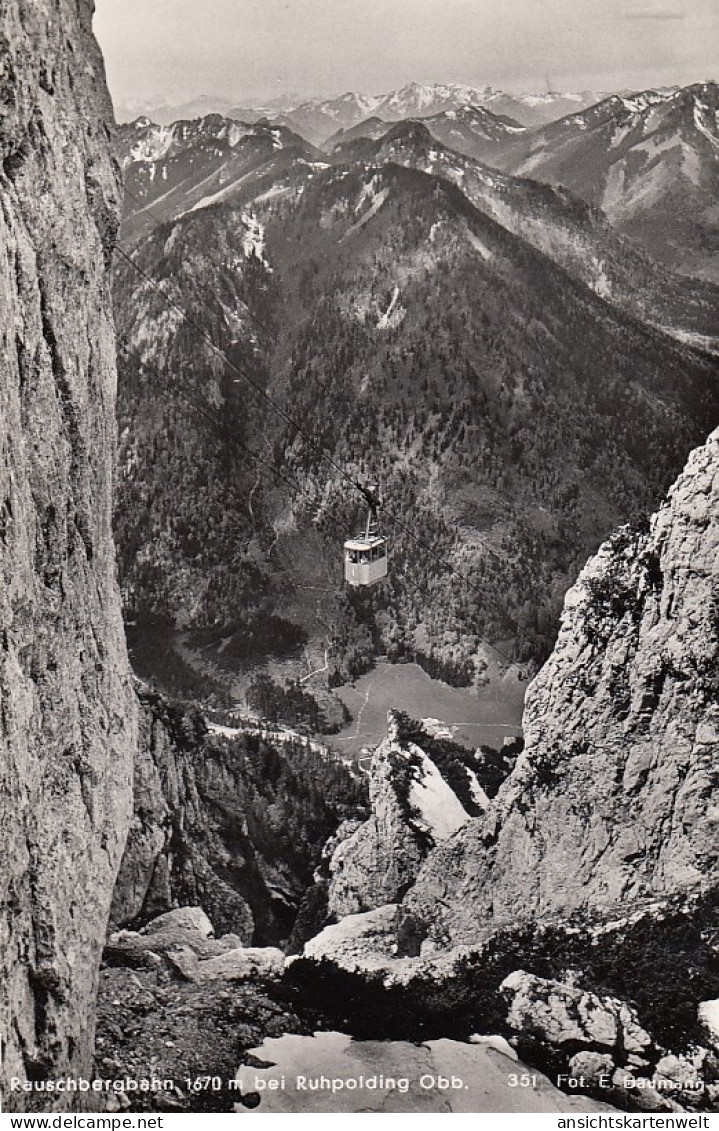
x=472, y=718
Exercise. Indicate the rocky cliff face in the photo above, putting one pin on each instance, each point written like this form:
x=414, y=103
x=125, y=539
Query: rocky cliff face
x=175, y=852
x=423, y=789
x=615, y=798
x=379, y=861
x=67, y=728
x=227, y=820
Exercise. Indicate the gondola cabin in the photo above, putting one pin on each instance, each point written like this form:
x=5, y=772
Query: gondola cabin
x=366, y=555
x=365, y=560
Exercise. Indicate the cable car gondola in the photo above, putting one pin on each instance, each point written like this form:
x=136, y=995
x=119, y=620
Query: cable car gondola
x=366, y=555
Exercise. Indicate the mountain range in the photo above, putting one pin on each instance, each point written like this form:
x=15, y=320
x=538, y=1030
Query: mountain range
x=317, y=118
x=649, y=161
x=465, y=128
x=560, y=225
x=488, y=346
x=170, y=170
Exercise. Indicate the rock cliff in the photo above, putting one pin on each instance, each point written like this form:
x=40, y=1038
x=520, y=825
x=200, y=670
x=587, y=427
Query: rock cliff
x=613, y=801
x=67, y=715
x=379, y=861
x=175, y=851
x=226, y=820
x=615, y=797
x=423, y=788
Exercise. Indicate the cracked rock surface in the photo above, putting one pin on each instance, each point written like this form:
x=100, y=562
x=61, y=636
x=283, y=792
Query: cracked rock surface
x=379, y=860
x=395, y=1076
x=67, y=713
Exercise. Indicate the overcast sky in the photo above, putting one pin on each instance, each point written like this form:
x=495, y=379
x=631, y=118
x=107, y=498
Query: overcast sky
x=245, y=49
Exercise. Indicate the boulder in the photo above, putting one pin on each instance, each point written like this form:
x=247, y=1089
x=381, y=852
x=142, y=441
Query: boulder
x=561, y=1014
x=640, y=1092
x=184, y=960
x=364, y=941
x=192, y=919
x=635, y=1039
x=492, y=1041
x=241, y=964
x=678, y=1074
x=174, y=935
x=594, y=1069
x=709, y=1019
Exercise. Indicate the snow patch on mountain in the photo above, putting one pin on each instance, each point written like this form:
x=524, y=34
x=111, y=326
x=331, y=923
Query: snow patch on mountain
x=377, y=198
x=478, y=795
x=622, y=194
x=613, y=196
x=392, y=316
x=622, y=133
x=530, y=163
x=600, y=281
x=235, y=132
x=690, y=159
x=253, y=243
x=370, y=192
x=553, y=96
x=155, y=144
x=417, y=99
x=640, y=103
x=688, y=338
x=274, y=192
x=701, y=113
x=215, y=197
x=691, y=164
x=439, y=811
x=477, y=243
x=350, y=104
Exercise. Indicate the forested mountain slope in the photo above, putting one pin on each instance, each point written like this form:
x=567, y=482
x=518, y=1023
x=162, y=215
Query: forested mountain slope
x=172, y=170
x=512, y=416
x=649, y=160
x=576, y=236
x=169, y=170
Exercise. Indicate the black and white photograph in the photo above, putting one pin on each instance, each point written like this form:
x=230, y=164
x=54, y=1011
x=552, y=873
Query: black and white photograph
x=359, y=561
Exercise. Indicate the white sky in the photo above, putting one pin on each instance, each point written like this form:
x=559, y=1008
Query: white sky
x=177, y=49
